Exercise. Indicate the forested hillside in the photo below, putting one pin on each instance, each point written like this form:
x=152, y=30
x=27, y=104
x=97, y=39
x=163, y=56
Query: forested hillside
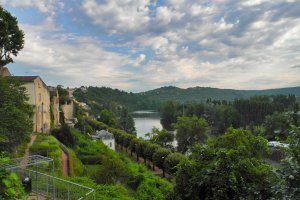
x=103, y=97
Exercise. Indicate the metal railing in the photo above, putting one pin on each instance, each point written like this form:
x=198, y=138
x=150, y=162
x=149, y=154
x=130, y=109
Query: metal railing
x=42, y=184
x=38, y=168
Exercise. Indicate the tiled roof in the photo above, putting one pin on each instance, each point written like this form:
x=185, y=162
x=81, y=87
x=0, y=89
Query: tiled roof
x=27, y=78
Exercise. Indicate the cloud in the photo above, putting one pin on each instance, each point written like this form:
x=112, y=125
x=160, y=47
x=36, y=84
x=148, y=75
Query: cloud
x=44, y=6
x=220, y=43
x=118, y=16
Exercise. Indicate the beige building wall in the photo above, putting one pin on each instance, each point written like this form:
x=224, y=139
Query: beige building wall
x=68, y=111
x=39, y=97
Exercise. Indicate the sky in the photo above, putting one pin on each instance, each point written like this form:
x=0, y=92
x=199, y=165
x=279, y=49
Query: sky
x=138, y=45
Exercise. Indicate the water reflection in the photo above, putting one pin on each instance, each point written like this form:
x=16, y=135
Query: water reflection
x=145, y=120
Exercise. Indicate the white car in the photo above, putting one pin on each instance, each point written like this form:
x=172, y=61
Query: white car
x=277, y=144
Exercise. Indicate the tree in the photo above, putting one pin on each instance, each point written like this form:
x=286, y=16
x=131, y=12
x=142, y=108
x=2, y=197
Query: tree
x=108, y=117
x=277, y=126
x=162, y=137
x=15, y=114
x=290, y=167
x=11, y=37
x=168, y=113
x=10, y=186
x=189, y=131
x=159, y=158
x=229, y=167
x=126, y=122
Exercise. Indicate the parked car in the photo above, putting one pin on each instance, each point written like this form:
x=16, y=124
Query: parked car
x=277, y=144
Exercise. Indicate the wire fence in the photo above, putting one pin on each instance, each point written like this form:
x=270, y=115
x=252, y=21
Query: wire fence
x=38, y=171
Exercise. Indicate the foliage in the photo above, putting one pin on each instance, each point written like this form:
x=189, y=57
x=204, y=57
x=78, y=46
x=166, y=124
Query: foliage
x=162, y=137
x=168, y=114
x=190, y=130
x=15, y=114
x=171, y=162
x=63, y=95
x=64, y=135
x=105, y=192
x=11, y=37
x=143, y=148
x=277, y=126
x=290, y=167
x=100, y=98
x=47, y=145
x=10, y=186
x=108, y=117
x=76, y=168
x=126, y=122
x=159, y=158
x=229, y=167
x=114, y=168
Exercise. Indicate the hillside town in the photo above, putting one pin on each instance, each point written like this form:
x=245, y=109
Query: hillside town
x=129, y=100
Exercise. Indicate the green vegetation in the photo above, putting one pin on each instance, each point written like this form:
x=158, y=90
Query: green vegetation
x=10, y=186
x=11, y=37
x=108, y=98
x=162, y=137
x=190, y=130
x=126, y=122
x=47, y=145
x=15, y=114
x=107, y=167
x=229, y=167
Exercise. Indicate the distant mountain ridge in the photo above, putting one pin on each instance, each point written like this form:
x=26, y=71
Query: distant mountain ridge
x=152, y=99
x=202, y=93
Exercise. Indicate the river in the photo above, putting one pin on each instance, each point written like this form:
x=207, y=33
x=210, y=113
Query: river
x=145, y=120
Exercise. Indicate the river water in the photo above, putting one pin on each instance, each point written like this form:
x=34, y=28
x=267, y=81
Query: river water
x=145, y=120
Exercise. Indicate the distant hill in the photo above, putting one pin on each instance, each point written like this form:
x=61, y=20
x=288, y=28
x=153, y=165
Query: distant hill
x=107, y=97
x=198, y=94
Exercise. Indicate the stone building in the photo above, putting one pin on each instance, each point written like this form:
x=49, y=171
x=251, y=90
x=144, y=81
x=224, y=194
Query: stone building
x=39, y=98
x=4, y=71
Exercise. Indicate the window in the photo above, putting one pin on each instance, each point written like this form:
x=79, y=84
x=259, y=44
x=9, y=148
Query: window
x=40, y=97
x=110, y=144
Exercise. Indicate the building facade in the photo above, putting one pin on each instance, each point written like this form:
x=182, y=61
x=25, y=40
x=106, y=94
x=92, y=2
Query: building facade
x=54, y=98
x=4, y=71
x=39, y=98
x=107, y=138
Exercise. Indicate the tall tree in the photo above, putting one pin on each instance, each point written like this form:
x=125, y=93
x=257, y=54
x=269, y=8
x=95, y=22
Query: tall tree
x=11, y=37
x=126, y=122
x=229, y=167
x=168, y=113
x=108, y=117
x=15, y=114
x=189, y=131
x=162, y=137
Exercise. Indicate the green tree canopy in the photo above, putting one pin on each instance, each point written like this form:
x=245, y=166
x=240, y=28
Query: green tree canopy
x=277, y=126
x=189, y=131
x=15, y=114
x=11, y=37
x=229, y=167
x=108, y=117
x=162, y=137
x=126, y=122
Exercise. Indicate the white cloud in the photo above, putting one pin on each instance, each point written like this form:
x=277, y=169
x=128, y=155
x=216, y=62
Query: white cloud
x=222, y=43
x=118, y=16
x=45, y=6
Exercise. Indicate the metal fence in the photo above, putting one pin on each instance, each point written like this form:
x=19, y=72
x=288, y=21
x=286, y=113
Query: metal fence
x=40, y=171
x=48, y=186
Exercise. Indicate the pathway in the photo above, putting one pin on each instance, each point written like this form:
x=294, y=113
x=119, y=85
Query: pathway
x=64, y=163
x=23, y=162
x=157, y=171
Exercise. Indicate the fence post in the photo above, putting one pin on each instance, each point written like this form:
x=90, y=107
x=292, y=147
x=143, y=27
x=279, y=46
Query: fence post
x=36, y=180
x=53, y=183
